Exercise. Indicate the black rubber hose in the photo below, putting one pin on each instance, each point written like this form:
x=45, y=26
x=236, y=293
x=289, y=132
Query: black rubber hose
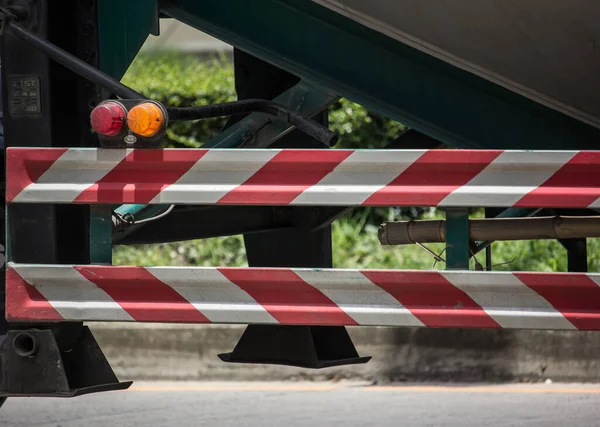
x=310, y=127
x=306, y=125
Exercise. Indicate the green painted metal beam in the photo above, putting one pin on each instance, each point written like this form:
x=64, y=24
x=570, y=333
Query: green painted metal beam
x=123, y=28
x=458, y=253
x=437, y=99
x=101, y=235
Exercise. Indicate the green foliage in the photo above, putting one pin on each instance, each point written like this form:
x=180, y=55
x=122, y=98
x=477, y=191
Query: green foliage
x=356, y=246
x=184, y=81
x=222, y=251
x=359, y=128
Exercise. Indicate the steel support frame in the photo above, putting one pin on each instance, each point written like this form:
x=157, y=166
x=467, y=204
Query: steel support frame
x=427, y=115
x=281, y=248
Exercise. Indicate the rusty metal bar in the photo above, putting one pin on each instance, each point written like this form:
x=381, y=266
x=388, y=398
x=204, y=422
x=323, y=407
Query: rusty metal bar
x=537, y=228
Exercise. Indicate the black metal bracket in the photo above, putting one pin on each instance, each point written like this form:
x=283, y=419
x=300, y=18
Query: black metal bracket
x=24, y=11
x=39, y=363
x=202, y=222
x=312, y=347
x=6, y=16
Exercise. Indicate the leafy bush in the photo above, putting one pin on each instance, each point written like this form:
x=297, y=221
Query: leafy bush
x=184, y=81
x=359, y=128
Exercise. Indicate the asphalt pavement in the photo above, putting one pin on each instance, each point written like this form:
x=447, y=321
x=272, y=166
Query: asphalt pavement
x=314, y=404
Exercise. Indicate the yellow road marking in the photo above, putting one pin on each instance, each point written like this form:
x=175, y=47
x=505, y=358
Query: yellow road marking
x=232, y=388
x=486, y=389
x=407, y=388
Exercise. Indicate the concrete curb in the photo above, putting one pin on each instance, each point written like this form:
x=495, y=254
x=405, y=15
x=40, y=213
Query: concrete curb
x=189, y=352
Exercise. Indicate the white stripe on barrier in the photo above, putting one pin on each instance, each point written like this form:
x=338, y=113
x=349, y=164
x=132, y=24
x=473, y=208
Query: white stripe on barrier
x=360, y=176
x=509, y=302
x=362, y=300
x=219, y=172
x=67, y=179
x=213, y=295
x=508, y=178
x=80, y=300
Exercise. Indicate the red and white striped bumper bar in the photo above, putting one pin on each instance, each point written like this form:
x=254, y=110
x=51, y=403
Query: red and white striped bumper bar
x=444, y=178
x=54, y=293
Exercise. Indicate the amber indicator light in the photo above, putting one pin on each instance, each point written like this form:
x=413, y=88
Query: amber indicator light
x=146, y=119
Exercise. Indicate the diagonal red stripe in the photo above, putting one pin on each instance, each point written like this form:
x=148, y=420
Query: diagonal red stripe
x=288, y=298
x=286, y=176
x=25, y=166
x=141, y=176
x=25, y=302
x=576, y=184
x=432, y=299
x=142, y=295
x=432, y=177
x=575, y=296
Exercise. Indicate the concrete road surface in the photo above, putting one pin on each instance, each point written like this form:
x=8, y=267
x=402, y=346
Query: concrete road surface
x=301, y=404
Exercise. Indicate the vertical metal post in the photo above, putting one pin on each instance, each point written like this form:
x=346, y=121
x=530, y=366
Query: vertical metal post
x=577, y=261
x=101, y=235
x=5, y=255
x=577, y=254
x=457, y=239
x=489, y=213
x=488, y=258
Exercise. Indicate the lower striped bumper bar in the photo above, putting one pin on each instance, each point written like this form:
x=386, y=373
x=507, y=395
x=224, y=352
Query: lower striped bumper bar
x=54, y=293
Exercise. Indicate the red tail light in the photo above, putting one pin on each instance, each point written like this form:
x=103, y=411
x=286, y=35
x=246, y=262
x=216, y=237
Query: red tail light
x=108, y=118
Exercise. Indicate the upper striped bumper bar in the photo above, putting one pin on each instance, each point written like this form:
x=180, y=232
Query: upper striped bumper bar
x=303, y=296
x=480, y=178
